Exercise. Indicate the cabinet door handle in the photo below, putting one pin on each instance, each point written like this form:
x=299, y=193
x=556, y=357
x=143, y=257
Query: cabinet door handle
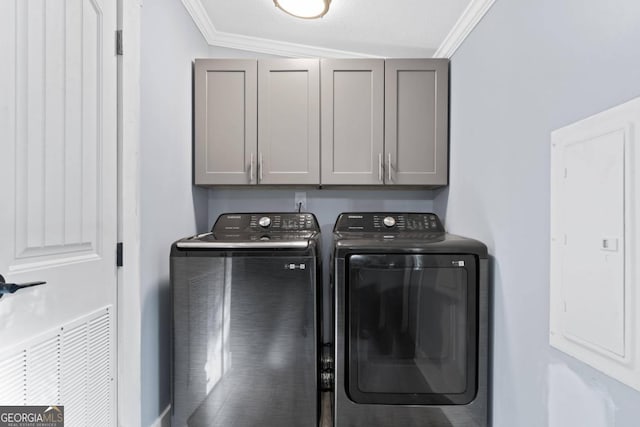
x=380, y=167
x=260, y=165
x=251, y=169
x=389, y=166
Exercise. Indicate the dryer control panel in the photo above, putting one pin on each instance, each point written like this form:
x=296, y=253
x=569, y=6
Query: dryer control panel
x=386, y=222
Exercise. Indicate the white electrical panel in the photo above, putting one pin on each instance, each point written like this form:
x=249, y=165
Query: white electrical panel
x=595, y=294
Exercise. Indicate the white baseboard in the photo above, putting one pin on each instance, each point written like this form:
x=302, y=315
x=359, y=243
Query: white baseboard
x=164, y=420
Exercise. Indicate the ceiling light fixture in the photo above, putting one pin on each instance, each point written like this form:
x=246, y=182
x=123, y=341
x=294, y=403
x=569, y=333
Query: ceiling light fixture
x=306, y=9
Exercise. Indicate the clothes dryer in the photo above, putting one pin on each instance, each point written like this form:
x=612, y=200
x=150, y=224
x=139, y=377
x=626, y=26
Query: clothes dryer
x=411, y=323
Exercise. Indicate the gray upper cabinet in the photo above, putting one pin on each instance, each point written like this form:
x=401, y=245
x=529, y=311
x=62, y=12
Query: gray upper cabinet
x=352, y=121
x=257, y=122
x=226, y=120
x=416, y=121
x=289, y=121
x=384, y=122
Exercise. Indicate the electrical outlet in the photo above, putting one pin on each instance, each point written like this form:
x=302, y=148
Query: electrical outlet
x=300, y=201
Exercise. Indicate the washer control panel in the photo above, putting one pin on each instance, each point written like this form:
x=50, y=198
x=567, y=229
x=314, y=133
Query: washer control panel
x=265, y=222
x=385, y=222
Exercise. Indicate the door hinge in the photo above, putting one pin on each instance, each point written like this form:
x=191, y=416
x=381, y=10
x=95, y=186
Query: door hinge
x=119, y=42
x=119, y=249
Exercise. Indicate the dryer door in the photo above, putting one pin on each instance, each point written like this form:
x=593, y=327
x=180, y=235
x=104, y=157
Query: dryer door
x=411, y=328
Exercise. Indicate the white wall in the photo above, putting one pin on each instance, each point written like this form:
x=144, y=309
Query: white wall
x=528, y=68
x=170, y=207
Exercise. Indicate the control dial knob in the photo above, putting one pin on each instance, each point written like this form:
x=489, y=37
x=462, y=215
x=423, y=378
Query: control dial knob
x=264, y=222
x=389, y=221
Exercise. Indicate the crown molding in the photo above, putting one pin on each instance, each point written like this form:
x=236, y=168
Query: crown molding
x=256, y=44
x=201, y=18
x=463, y=27
x=274, y=47
x=465, y=24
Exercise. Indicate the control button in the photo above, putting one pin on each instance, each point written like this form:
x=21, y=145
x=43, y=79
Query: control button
x=389, y=221
x=264, y=222
x=264, y=238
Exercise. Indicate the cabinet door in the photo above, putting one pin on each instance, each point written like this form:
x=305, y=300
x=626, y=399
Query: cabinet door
x=288, y=128
x=352, y=121
x=225, y=121
x=416, y=121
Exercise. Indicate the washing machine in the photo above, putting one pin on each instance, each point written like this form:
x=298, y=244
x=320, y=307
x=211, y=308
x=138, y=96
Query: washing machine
x=245, y=322
x=410, y=323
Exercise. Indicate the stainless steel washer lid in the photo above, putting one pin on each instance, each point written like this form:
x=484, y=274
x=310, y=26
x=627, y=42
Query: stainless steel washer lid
x=271, y=241
x=272, y=230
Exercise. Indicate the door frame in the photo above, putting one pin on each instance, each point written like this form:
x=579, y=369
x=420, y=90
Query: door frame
x=129, y=308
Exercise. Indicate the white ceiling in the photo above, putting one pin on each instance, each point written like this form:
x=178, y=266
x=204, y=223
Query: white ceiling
x=403, y=28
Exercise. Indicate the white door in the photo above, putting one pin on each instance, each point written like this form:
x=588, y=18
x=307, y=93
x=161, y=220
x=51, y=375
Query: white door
x=58, y=205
